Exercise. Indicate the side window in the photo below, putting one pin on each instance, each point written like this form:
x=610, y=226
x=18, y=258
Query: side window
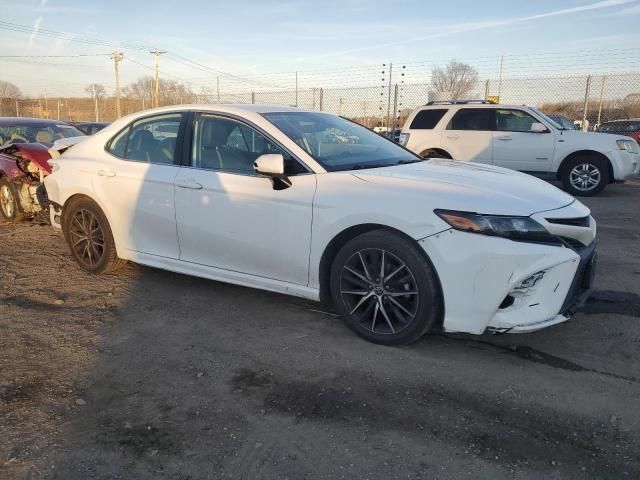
x=514, y=121
x=149, y=140
x=473, y=119
x=427, y=119
x=227, y=145
x=118, y=145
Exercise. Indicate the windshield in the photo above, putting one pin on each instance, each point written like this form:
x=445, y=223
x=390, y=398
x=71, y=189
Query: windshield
x=37, y=132
x=338, y=144
x=553, y=123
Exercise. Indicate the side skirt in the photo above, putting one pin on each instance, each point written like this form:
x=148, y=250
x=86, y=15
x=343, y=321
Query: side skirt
x=222, y=275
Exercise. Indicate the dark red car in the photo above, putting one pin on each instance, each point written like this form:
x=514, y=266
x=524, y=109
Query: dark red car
x=24, y=155
x=630, y=128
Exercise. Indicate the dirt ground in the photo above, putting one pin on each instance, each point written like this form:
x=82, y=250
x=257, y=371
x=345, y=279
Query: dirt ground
x=150, y=375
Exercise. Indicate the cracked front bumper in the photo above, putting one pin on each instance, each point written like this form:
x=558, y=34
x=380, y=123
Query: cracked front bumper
x=478, y=273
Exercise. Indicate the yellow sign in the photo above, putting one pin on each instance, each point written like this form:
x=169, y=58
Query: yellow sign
x=493, y=99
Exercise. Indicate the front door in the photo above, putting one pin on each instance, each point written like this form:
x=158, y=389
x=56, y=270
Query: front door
x=231, y=218
x=516, y=146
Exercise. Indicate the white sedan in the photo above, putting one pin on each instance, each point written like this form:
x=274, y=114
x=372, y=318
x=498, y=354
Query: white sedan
x=310, y=204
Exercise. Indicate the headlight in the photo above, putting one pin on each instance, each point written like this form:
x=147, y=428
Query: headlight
x=513, y=228
x=629, y=145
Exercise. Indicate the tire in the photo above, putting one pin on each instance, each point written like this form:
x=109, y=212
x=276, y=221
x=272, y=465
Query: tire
x=381, y=312
x=9, y=204
x=435, y=154
x=585, y=175
x=89, y=237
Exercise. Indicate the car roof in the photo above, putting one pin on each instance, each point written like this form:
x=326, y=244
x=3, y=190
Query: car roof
x=29, y=121
x=472, y=105
x=622, y=121
x=228, y=108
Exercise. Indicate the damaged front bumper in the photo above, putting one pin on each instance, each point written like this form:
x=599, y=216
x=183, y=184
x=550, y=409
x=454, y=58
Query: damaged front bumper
x=499, y=285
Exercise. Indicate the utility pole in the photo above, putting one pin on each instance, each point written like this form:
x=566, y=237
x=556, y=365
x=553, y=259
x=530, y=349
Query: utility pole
x=157, y=53
x=95, y=102
x=117, y=57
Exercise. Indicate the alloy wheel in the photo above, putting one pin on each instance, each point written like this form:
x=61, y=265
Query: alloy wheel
x=585, y=177
x=7, y=202
x=87, y=238
x=379, y=291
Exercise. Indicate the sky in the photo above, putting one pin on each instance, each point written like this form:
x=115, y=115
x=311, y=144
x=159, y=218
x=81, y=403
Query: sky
x=253, y=44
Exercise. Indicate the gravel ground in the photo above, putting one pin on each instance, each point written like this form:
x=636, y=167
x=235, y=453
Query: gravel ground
x=150, y=374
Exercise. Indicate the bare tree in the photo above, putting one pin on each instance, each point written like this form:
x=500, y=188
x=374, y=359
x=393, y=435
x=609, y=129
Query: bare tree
x=631, y=105
x=457, y=79
x=9, y=90
x=171, y=92
x=96, y=89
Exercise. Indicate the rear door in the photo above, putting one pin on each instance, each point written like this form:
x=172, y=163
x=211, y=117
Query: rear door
x=469, y=135
x=136, y=183
x=516, y=146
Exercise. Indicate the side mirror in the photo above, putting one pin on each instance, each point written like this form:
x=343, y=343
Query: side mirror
x=269, y=164
x=538, y=127
x=272, y=165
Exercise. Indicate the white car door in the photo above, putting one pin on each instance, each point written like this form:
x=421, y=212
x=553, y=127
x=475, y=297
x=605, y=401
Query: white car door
x=136, y=184
x=517, y=146
x=469, y=135
x=231, y=218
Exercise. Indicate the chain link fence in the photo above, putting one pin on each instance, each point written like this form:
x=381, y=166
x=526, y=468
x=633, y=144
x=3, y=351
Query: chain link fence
x=587, y=101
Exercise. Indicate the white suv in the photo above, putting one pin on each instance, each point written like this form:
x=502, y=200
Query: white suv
x=521, y=138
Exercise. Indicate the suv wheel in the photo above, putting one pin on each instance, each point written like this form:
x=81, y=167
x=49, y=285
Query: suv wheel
x=585, y=176
x=385, y=289
x=435, y=154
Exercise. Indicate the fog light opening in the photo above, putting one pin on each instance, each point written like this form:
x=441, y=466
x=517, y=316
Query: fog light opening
x=507, y=302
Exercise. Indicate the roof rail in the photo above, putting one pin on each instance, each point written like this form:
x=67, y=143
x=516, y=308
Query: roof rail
x=460, y=102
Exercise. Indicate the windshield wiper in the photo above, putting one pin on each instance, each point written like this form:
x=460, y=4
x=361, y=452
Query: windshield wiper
x=406, y=162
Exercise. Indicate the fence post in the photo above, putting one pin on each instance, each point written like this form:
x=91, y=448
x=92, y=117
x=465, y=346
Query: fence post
x=321, y=98
x=586, y=104
x=253, y=97
x=313, y=94
x=601, y=95
x=296, y=89
x=395, y=108
x=17, y=109
x=486, y=90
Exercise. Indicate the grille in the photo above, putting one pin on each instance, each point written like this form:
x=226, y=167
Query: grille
x=574, y=222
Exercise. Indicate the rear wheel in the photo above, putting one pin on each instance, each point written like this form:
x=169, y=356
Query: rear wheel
x=9, y=205
x=89, y=236
x=385, y=289
x=585, y=175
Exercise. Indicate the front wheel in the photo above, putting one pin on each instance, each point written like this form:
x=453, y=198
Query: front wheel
x=385, y=288
x=89, y=236
x=9, y=206
x=585, y=176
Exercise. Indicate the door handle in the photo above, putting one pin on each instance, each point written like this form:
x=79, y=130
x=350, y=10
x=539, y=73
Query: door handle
x=106, y=173
x=190, y=184
x=452, y=136
x=505, y=139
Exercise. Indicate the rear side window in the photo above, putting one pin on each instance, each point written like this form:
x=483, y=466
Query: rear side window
x=482, y=119
x=427, y=119
x=149, y=140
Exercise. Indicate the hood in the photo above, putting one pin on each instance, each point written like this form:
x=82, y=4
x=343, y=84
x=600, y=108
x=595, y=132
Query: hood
x=34, y=152
x=475, y=187
x=596, y=139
